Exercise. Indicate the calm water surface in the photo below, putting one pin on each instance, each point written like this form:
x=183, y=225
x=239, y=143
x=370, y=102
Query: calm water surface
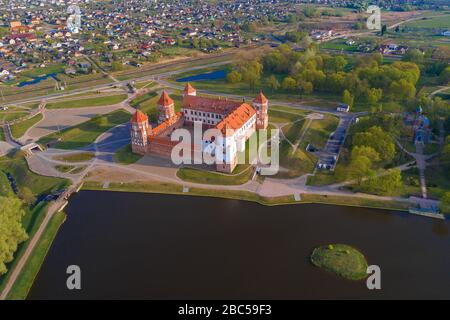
x=148, y=246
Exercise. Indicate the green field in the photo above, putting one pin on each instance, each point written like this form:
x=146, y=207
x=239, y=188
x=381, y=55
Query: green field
x=76, y=157
x=28, y=182
x=125, y=155
x=90, y=102
x=29, y=272
x=87, y=132
x=19, y=129
x=438, y=22
x=241, y=175
x=342, y=260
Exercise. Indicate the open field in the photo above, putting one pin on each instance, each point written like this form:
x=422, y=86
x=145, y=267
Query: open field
x=241, y=175
x=19, y=129
x=126, y=156
x=85, y=133
x=76, y=157
x=90, y=102
x=27, y=181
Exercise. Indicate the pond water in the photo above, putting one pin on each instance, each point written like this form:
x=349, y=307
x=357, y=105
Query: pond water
x=151, y=246
x=216, y=75
x=37, y=80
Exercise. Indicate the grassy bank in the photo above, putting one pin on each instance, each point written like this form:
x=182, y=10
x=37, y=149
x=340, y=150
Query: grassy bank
x=87, y=132
x=126, y=156
x=91, y=102
x=19, y=129
x=168, y=188
x=31, y=269
x=241, y=175
x=76, y=157
x=342, y=260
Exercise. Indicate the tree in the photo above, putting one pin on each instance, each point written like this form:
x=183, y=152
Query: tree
x=379, y=140
x=251, y=72
x=402, y=90
x=414, y=55
x=305, y=87
x=12, y=232
x=289, y=84
x=348, y=98
x=234, y=77
x=359, y=168
x=374, y=95
x=444, y=77
x=445, y=203
x=385, y=183
x=365, y=151
x=116, y=66
x=273, y=83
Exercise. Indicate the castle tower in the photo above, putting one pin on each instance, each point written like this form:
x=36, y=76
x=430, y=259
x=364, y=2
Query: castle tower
x=166, y=107
x=140, y=130
x=261, y=105
x=189, y=90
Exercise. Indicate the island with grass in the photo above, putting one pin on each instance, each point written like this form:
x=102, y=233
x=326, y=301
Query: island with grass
x=342, y=260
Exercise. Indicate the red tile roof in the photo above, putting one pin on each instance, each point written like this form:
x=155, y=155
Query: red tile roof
x=139, y=117
x=220, y=106
x=166, y=124
x=260, y=98
x=165, y=100
x=189, y=88
x=236, y=119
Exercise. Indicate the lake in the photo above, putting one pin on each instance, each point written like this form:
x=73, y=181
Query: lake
x=215, y=75
x=150, y=246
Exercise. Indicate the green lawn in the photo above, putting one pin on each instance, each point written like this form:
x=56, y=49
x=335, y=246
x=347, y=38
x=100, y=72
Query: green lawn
x=90, y=102
x=17, y=166
x=439, y=22
x=126, y=156
x=135, y=103
x=19, y=129
x=87, y=132
x=342, y=260
x=241, y=175
x=12, y=115
x=76, y=157
x=26, y=278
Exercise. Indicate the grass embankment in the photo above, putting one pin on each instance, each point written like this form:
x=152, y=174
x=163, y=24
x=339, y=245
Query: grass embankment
x=76, y=157
x=87, y=132
x=295, y=162
x=90, y=102
x=19, y=129
x=29, y=184
x=342, y=260
x=126, y=156
x=31, y=269
x=241, y=175
x=168, y=188
x=29, y=187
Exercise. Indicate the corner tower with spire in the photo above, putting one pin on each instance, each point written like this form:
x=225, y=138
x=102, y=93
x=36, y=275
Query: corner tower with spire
x=140, y=130
x=166, y=107
x=261, y=105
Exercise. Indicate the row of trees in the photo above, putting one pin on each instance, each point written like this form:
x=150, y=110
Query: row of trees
x=364, y=79
x=12, y=232
x=373, y=149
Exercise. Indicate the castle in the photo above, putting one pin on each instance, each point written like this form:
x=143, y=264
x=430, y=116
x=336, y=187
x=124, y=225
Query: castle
x=236, y=121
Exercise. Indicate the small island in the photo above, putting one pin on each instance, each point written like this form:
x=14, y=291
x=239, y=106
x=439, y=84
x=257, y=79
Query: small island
x=342, y=260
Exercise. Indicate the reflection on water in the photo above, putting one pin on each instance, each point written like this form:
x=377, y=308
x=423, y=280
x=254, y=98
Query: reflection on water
x=179, y=247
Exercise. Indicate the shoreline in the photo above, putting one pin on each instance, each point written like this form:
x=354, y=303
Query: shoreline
x=253, y=197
